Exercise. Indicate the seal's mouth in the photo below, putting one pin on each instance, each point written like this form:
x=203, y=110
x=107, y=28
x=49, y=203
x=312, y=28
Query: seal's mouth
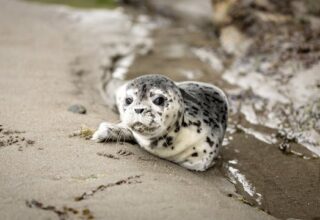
x=141, y=128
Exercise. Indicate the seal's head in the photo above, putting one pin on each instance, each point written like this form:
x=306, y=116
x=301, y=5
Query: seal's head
x=150, y=105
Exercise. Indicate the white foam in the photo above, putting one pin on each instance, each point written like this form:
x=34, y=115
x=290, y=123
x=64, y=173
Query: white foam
x=242, y=179
x=269, y=139
x=191, y=74
x=290, y=99
x=258, y=83
x=233, y=161
x=249, y=113
x=236, y=176
x=209, y=57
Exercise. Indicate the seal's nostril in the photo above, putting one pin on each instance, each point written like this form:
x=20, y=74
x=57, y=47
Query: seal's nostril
x=139, y=110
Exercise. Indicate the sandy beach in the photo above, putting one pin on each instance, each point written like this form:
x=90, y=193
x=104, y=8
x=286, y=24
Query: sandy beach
x=59, y=66
x=47, y=63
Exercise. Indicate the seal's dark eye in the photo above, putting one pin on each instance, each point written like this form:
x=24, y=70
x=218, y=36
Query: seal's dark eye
x=158, y=101
x=129, y=101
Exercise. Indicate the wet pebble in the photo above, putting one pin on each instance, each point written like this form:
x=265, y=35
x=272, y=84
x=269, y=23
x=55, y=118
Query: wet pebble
x=285, y=147
x=79, y=109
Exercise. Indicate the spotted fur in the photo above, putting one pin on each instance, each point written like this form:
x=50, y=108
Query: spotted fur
x=182, y=122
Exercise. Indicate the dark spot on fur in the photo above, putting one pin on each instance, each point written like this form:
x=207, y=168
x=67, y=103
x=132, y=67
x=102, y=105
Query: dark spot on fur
x=154, y=143
x=206, y=105
x=197, y=123
x=195, y=108
x=177, y=129
x=168, y=141
x=184, y=124
x=143, y=91
x=210, y=142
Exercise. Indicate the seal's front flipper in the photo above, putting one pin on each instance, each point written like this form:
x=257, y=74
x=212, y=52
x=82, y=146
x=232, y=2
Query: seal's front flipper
x=112, y=132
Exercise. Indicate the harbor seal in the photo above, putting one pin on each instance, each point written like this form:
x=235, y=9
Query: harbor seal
x=183, y=122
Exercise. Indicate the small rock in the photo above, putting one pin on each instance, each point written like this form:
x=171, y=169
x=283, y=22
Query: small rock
x=285, y=147
x=80, y=109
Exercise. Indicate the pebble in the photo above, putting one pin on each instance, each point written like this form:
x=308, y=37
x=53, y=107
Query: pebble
x=80, y=109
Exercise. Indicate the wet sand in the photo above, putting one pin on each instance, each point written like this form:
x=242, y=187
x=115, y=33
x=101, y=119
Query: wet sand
x=50, y=60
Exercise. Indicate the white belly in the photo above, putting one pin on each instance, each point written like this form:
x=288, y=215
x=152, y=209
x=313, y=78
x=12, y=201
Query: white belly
x=185, y=141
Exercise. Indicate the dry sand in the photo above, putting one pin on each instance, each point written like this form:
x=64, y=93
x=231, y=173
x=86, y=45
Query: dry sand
x=38, y=48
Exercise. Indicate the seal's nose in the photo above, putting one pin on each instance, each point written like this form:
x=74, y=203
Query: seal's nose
x=139, y=110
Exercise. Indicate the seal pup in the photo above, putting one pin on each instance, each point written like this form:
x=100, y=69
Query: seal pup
x=182, y=122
